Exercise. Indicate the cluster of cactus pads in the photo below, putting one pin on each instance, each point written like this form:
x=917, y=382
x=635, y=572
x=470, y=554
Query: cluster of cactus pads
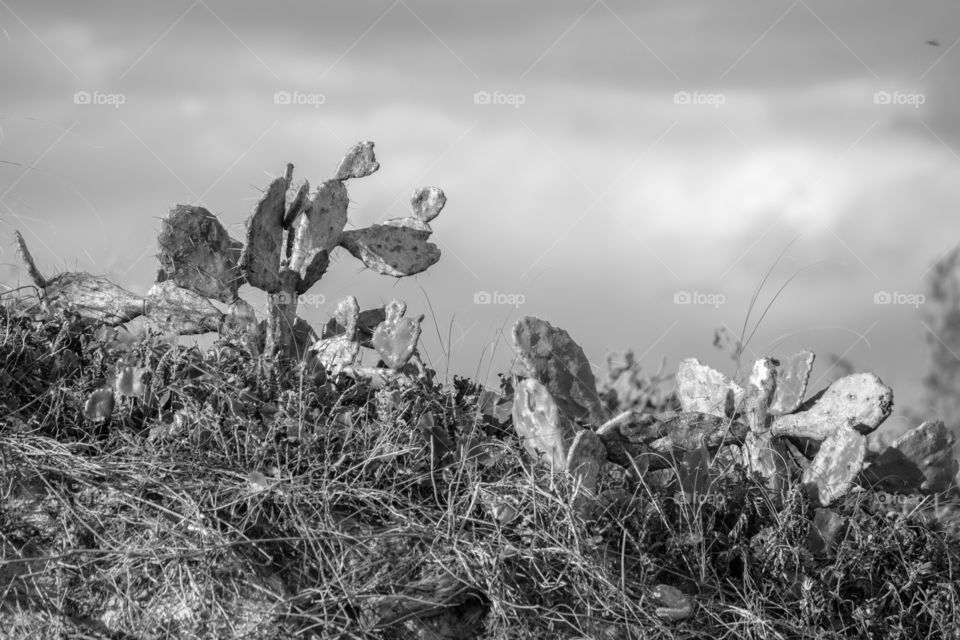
x=767, y=426
x=290, y=235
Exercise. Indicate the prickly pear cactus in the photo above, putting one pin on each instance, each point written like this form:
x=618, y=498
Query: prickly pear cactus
x=921, y=460
x=544, y=431
x=792, y=377
x=860, y=399
x=550, y=355
x=706, y=390
x=395, y=339
x=837, y=464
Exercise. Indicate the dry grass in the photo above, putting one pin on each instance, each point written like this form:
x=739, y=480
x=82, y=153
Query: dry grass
x=233, y=503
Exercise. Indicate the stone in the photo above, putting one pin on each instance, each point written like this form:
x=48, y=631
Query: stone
x=860, y=400
x=920, y=460
x=706, y=390
x=545, y=433
x=793, y=374
x=835, y=467
x=260, y=258
x=550, y=355
x=197, y=253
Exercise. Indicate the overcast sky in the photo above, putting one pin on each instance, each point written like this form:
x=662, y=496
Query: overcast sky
x=601, y=159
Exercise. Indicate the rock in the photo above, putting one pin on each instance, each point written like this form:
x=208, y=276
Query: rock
x=395, y=339
x=920, y=460
x=260, y=258
x=556, y=361
x=544, y=431
x=197, y=253
x=792, y=377
x=839, y=461
x=392, y=250
x=859, y=400
x=706, y=390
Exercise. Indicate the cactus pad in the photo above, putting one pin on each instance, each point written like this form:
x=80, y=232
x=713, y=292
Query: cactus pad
x=919, y=460
x=336, y=353
x=99, y=405
x=392, y=250
x=550, y=355
x=706, y=390
x=296, y=200
x=93, y=298
x=837, y=464
x=860, y=400
x=317, y=230
x=676, y=605
x=395, y=339
x=587, y=454
x=359, y=162
x=180, y=310
x=197, y=253
x=260, y=258
x=427, y=203
x=543, y=430
x=792, y=377
x=347, y=315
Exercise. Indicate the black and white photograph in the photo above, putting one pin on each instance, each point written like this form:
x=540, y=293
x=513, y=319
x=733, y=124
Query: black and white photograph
x=427, y=320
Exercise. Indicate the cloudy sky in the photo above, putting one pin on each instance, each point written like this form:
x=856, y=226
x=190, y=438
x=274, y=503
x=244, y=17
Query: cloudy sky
x=604, y=161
